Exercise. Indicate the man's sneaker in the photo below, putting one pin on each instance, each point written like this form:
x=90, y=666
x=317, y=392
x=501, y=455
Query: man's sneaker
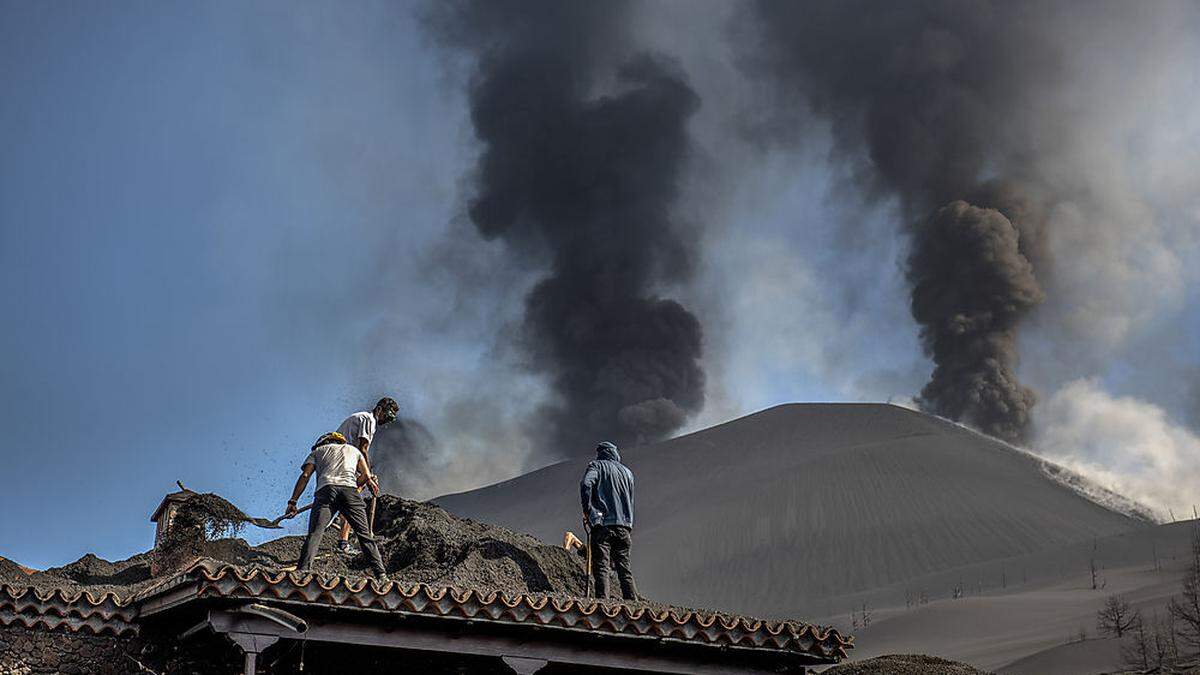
x=345, y=548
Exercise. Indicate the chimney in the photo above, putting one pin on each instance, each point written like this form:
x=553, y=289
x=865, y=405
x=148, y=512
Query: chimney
x=163, y=517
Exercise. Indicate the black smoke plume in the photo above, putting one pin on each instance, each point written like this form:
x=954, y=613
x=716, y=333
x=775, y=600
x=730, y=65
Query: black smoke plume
x=583, y=149
x=968, y=312
x=925, y=101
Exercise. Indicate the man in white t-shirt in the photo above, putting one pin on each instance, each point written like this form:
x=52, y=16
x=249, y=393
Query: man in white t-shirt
x=359, y=431
x=339, y=468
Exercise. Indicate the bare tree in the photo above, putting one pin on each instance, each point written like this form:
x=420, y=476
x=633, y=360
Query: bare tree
x=1116, y=616
x=1136, y=649
x=1172, y=630
x=1186, y=608
x=860, y=620
x=1165, y=652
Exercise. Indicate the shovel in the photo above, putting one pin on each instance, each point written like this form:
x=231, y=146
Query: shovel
x=587, y=528
x=274, y=524
x=259, y=522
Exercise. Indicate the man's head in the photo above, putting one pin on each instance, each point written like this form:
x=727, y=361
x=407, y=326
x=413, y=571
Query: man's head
x=607, y=450
x=386, y=410
x=326, y=439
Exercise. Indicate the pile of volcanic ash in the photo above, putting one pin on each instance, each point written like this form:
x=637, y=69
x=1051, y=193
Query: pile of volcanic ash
x=422, y=543
x=200, y=518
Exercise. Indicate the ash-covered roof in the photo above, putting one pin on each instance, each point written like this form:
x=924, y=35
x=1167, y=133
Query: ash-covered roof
x=458, y=585
x=209, y=579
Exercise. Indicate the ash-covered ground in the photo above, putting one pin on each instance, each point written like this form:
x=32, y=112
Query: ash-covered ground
x=420, y=543
x=904, y=664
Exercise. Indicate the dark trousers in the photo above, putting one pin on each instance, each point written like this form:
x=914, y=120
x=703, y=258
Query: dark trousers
x=346, y=501
x=610, y=547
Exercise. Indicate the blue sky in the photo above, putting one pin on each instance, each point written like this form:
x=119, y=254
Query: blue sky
x=193, y=197
x=211, y=215
x=226, y=225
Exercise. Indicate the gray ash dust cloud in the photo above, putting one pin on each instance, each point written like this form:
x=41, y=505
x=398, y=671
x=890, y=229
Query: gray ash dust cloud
x=925, y=101
x=583, y=145
x=405, y=455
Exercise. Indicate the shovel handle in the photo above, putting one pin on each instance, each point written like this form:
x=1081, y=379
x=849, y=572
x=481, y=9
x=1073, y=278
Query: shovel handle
x=285, y=516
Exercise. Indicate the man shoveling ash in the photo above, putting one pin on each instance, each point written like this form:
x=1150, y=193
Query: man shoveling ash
x=606, y=492
x=359, y=431
x=338, y=466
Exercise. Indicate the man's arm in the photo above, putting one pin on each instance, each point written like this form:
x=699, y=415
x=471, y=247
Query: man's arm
x=366, y=433
x=363, y=444
x=301, y=483
x=586, y=487
x=364, y=473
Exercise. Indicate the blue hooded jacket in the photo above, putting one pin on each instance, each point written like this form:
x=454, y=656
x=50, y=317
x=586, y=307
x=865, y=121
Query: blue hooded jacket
x=606, y=490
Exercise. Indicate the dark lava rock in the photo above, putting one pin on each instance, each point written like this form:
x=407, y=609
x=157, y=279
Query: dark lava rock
x=92, y=571
x=11, y=572
x=904, y=664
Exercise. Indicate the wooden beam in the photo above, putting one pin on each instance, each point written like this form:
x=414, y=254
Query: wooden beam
x=412, y=635
x=176, y=596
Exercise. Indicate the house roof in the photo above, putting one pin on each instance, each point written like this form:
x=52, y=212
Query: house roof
x=213, y=581
x=73, y=611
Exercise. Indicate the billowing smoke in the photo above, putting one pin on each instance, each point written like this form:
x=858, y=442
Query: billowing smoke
x=583, y=146
x=925, y=101
x=405, y=456
x=968, y=314
x=1127, y=444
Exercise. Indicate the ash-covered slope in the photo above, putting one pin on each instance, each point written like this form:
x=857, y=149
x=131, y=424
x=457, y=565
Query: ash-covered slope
x=783, y=511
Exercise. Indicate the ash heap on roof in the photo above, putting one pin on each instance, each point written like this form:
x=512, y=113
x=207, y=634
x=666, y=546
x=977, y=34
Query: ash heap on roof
x=466, y=597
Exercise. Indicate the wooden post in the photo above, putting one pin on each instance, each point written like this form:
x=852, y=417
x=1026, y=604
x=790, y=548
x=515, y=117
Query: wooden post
x=252, y=645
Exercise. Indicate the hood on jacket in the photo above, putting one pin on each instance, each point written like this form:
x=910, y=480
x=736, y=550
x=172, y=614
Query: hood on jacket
x=607, y=450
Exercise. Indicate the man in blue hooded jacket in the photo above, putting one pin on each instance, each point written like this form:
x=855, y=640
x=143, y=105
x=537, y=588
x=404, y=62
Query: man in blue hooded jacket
x=606, y=492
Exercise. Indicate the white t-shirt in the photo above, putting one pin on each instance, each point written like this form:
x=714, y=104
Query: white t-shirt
x=359, y=425
x=335, y=464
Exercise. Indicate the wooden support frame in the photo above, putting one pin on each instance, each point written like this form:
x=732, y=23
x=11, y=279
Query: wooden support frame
x=252, y=645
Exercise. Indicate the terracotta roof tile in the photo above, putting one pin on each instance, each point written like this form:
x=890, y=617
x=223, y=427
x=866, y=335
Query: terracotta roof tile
x=76, y=611
x=213, y=579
